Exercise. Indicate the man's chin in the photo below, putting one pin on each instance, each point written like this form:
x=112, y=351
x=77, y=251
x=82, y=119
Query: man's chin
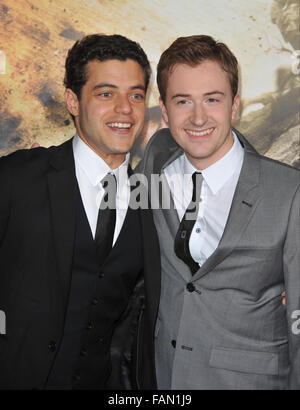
x=121, y=150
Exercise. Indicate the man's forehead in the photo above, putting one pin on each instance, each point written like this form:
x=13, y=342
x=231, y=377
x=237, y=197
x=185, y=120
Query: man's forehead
x=192, y=66
x=204, y=73
x=114, y=71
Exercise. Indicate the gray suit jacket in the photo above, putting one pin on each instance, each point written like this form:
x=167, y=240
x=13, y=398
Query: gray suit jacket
x=232, y=331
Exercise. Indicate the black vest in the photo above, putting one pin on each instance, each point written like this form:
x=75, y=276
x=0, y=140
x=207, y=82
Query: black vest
x=99, y=293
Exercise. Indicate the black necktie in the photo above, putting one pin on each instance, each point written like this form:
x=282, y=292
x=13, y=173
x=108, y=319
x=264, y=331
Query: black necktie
x=106, y=218
x=181, y=245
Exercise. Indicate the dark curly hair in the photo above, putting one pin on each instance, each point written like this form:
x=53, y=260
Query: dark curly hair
x=101, y=47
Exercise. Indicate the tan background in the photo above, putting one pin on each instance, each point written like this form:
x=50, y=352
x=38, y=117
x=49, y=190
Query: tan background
x=36, y=34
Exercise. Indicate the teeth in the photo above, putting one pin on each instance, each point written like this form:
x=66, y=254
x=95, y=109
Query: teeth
x=200, y=133
x=119, y=125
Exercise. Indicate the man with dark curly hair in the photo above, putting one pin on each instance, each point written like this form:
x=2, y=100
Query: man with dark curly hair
x=71, y=249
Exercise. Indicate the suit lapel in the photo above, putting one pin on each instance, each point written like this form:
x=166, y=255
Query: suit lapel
x=62, y=186
x=164, y=158
x=161, y=161
x=245, y=201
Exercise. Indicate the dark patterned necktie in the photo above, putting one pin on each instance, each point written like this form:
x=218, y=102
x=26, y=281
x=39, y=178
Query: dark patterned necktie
x=181, y=244
x=106, y=221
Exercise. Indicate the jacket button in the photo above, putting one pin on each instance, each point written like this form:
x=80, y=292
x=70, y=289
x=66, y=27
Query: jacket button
x=95, y=301
x=173, y=343
x=77, y=377
x=52, y=346
x=89, y=326
x=83, y=352
x=190, y=287
x=101, y=275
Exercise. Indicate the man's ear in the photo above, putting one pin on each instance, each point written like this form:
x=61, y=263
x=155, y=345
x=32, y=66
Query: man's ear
x=72, y=102
x=235, y=107
x=163, y=111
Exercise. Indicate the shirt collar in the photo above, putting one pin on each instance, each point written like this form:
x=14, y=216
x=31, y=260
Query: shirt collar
x=94, y=166
x=217, y=174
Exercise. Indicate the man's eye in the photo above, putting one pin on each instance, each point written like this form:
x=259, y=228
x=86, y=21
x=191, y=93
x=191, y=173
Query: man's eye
x=212, y=100
x=138, y=96
x=182, y=102
x=105, y=95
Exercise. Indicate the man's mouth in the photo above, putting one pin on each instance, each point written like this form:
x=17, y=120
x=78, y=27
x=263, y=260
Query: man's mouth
x=120, y=125
x=203, y=133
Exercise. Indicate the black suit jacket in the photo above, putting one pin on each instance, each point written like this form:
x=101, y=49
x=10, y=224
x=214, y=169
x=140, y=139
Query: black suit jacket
x=37, y=230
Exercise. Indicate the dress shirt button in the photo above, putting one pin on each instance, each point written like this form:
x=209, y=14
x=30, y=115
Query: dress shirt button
x=83, y=352
x=95, y=301
x=52, y=346
x=198, y=230
x=173, y=343
x=190, y=287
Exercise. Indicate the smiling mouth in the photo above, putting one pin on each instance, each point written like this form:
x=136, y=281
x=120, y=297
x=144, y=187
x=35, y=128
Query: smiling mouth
x=203, y=133
x=120, y=126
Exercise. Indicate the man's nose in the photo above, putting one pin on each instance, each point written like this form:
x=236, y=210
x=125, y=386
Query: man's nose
x=198, y=115
x=123, y=105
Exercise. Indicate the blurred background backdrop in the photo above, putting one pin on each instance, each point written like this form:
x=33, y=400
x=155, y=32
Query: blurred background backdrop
x=35, y=36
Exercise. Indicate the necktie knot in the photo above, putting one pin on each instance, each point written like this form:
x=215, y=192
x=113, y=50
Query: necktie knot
x=197, y=179
x=109, y=178
x=192, y=209
x=109, y=184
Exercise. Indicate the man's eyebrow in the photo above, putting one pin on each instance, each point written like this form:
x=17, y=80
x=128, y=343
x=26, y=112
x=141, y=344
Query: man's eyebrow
x=104, y=85
x=138, y=87
x=205, y=94
x=214, y=92
x=108, y=85
x=180, y=96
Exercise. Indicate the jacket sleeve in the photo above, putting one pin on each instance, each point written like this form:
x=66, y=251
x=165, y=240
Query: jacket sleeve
x=5, y=197
x=291, y=262
x=123, y=344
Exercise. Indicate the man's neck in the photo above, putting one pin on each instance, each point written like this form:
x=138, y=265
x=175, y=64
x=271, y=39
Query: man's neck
x=203, y=163
x=114, y=161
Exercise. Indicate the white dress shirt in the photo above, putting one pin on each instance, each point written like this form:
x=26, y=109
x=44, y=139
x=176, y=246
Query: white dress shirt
x=219, y=184
x=90, y=170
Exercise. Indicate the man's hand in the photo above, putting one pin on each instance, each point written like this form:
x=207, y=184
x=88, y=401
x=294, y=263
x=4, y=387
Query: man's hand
x=283, y=298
